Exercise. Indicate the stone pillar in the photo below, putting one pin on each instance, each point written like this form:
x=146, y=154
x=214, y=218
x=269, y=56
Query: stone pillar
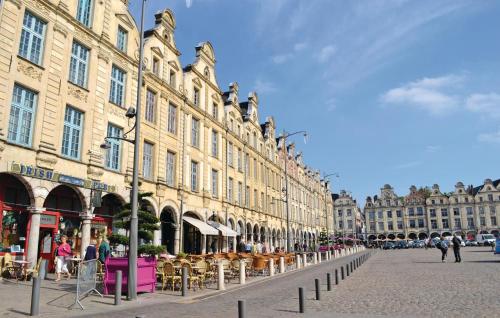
x=203, y=244
x=282, y=264
x=315, y=258
x=220, y=276
x=34, y=235
x=271, y=267
x=242, y=272
x=304, y=259
x=297, y=260
x=157, y=236
x=86, y=220
x=176, y=239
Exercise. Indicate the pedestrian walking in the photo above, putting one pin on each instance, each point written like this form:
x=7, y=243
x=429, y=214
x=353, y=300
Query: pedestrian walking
x=456, y=248
x=103, y=249
x=241, y=246
x=63, y=252
x=442, y=245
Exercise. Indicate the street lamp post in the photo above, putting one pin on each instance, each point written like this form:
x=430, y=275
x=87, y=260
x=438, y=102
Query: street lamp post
x=285, y=135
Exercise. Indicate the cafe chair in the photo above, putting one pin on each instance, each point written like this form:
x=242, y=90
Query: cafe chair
x=33, y=272
x=169, y=276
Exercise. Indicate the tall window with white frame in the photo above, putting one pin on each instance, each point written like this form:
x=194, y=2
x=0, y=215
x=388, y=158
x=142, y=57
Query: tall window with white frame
x=72, y=133
x=149, y=113
x=215, y=183
x=170, y=177
x=83, y=12
x=22, y=115
x=171, y=78
x=121, y=39
x=117, y=91
x=113, y=154
x=215, y=143
x=172, y=119
x=195, y=132
x=215, y=111
x=78, y=68
x=194, y=176
x=32, y=38
x=240, y=193
x=229, y=194
x=156, y=66
x=147, y=161
x=239, y=160
x=196, y=96
x=230, y=154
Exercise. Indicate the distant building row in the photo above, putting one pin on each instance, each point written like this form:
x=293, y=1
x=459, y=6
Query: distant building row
x=428, y=212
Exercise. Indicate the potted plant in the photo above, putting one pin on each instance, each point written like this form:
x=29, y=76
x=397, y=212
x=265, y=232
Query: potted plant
x=146, y=263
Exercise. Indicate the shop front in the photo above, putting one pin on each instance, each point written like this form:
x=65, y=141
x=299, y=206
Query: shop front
x=14, y=216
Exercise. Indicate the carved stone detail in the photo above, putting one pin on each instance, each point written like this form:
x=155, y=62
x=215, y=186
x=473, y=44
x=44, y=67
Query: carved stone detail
x=29, y=70
x=61, y=29
x=77, y=93
x=104, y=56
x=17, y=3
x=63, y=6
x=83, y=37
x=46, y=161
x=37, y=5
x=94, y=173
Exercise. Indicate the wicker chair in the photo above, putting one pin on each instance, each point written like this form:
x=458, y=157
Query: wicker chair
x=201, y=271
x=259, y=265
x=209, y=273
x=192, y=277
x=33, y=272
x=100, y=271
x=8, y=265
x=169, y=275
x=159, y=269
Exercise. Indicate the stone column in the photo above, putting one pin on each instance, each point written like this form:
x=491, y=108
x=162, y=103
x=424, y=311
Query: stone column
x=34, y=235
x=203, y=244
x=157, y=236
x=86, y=220
x=177, y=239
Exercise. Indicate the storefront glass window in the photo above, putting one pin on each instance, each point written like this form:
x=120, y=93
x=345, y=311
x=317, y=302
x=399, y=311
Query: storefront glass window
x=13, y=231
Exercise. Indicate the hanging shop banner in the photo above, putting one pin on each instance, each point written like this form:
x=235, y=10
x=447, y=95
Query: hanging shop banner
x=40, y=173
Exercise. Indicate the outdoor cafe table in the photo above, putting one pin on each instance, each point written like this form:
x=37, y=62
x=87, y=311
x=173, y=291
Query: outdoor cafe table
x=20, y=268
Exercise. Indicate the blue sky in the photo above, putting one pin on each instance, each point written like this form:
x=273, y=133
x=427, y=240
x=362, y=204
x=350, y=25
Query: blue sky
x=399, y=92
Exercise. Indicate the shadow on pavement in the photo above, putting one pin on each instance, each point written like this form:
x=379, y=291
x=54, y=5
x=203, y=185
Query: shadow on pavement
x=288, y=310
x=19, y=312
x=486, y=251
x=485, y=261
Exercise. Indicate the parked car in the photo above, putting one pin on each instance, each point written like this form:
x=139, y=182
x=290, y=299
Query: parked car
x=485, y=239
x=471, y=243
x=401, y=245
x=411, y=244
x=388, y=246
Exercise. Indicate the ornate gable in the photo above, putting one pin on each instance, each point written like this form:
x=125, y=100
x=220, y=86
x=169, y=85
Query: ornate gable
x=125, y=19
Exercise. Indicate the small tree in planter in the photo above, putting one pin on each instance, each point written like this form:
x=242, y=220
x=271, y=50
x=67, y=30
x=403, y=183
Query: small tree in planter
x=148, y=223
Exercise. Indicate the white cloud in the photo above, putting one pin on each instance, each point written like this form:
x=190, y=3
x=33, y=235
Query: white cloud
x=264, y=87
x=331, y=104
x=429, y=94
x=281, y=58
x=408, y=165
x=432, y=149
x=299, y=46
x=486, y=104
x=326, y=53
x=493, y=137
x=189, y=3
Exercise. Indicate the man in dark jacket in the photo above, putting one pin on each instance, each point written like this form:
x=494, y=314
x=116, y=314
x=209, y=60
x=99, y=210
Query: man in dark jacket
x=456, y=248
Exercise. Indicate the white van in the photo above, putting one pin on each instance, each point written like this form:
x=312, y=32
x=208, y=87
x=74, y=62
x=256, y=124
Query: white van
x=485, y=239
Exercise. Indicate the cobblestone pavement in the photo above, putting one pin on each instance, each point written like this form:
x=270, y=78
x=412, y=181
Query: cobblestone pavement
x=400, y=283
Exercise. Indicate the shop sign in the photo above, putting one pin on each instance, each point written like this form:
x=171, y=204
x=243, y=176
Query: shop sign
x=40, y=173
x=47, y=219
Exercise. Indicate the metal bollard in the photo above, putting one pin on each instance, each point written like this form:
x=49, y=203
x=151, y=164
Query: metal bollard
x=347, y=270
x=350, y=266
x=271, y=267
x=282, y=264
x=328, y=282
x=316, y=284
x=35, y=296
x=241, y=309
x=342, y=272
x=118, y=288
x=301, y=300
x=220, y=276
x=184, y=281
x=242, y=272
x=336, y=276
